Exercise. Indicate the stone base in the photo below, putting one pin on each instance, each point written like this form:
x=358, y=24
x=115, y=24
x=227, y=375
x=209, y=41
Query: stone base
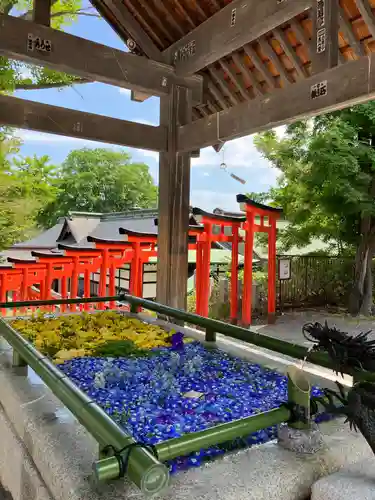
x=355, y=482
x=303, y=441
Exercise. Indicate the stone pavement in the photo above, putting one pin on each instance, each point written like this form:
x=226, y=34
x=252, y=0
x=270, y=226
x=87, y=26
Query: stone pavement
x=288, y=327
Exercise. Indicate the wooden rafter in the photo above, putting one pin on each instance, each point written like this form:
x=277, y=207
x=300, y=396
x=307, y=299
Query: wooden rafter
x=344, y=85
x=259, y=65
x=235, y=79
x=134, y=29
x=347, y=29
x=282, y=38
x=366, y=12
x=37, y=44
x=238, y=23
x=248, y=74
x=223, y=85
x=61, y=121
x=267, y=49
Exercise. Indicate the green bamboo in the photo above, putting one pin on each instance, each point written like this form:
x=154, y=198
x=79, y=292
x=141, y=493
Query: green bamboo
x=56, y=302
x=281, y=346
x=299, y=393
x=221, y=433
x=182, y=446
x=143, y=468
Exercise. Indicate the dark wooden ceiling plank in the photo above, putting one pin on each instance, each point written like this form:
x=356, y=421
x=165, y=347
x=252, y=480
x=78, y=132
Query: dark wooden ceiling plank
x=135, y=30
x=240, y=22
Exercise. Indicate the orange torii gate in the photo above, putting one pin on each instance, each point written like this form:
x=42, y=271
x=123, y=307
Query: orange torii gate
x=215, y=226
x=33, y=278
x=259, y=218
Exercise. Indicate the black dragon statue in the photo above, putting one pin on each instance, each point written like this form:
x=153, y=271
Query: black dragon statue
x=349, y=354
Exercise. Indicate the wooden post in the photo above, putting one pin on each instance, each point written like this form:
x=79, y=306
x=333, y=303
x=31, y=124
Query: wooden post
x=272, y=272
x=205, y=274
x=234, y=276
x=42, y=12
x=87, y=287
x=248, y=271
x=112, y=284
x=103, y=278
x=64, y=291
x=174, y=194
x=198, y=276
x=74, y=282
x=325, y=35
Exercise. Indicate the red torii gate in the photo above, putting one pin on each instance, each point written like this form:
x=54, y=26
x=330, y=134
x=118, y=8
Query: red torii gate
x=267, y=218
x=204, y=243
x=29, y=279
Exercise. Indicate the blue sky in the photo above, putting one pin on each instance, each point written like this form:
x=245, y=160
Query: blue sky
x=210, y=186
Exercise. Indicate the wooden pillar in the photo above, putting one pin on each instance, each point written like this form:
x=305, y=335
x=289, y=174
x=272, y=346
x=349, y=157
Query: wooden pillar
x=87, y=288
x=74, y=282
x=272, y=272
x=112, y=285
x=42, y=12
x=234, y=276
x=3, y=292
x=174, y=195
x=325, y=36
x=103, y=278
x=64, y=291
x=198, y=276
x=205, y=273
x=248, y=271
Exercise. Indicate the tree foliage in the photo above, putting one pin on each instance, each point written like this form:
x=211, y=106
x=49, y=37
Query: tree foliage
x=34, y=193
x=101, y=181
x=15, y=75
x=327, y=186
x=22, y=194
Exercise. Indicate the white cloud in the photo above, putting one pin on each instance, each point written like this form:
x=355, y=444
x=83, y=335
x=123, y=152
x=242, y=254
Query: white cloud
x=124, y=91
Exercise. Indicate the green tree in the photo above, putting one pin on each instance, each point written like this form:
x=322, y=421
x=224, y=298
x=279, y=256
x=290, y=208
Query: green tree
x=327, y=187
x=22, y=195
x=99, y=180
x=15, y=75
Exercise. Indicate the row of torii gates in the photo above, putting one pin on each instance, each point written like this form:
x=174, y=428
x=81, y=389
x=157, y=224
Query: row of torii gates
x=32, y=279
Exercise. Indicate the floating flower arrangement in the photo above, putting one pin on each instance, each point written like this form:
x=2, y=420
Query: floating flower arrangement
x=156, y=385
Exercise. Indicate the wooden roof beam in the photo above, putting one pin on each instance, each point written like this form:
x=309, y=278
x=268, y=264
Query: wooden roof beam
x=337, y=88
x=325, y=35
x=136, y=33
x=31, y=115
x=36, y=44
x=240, y=22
